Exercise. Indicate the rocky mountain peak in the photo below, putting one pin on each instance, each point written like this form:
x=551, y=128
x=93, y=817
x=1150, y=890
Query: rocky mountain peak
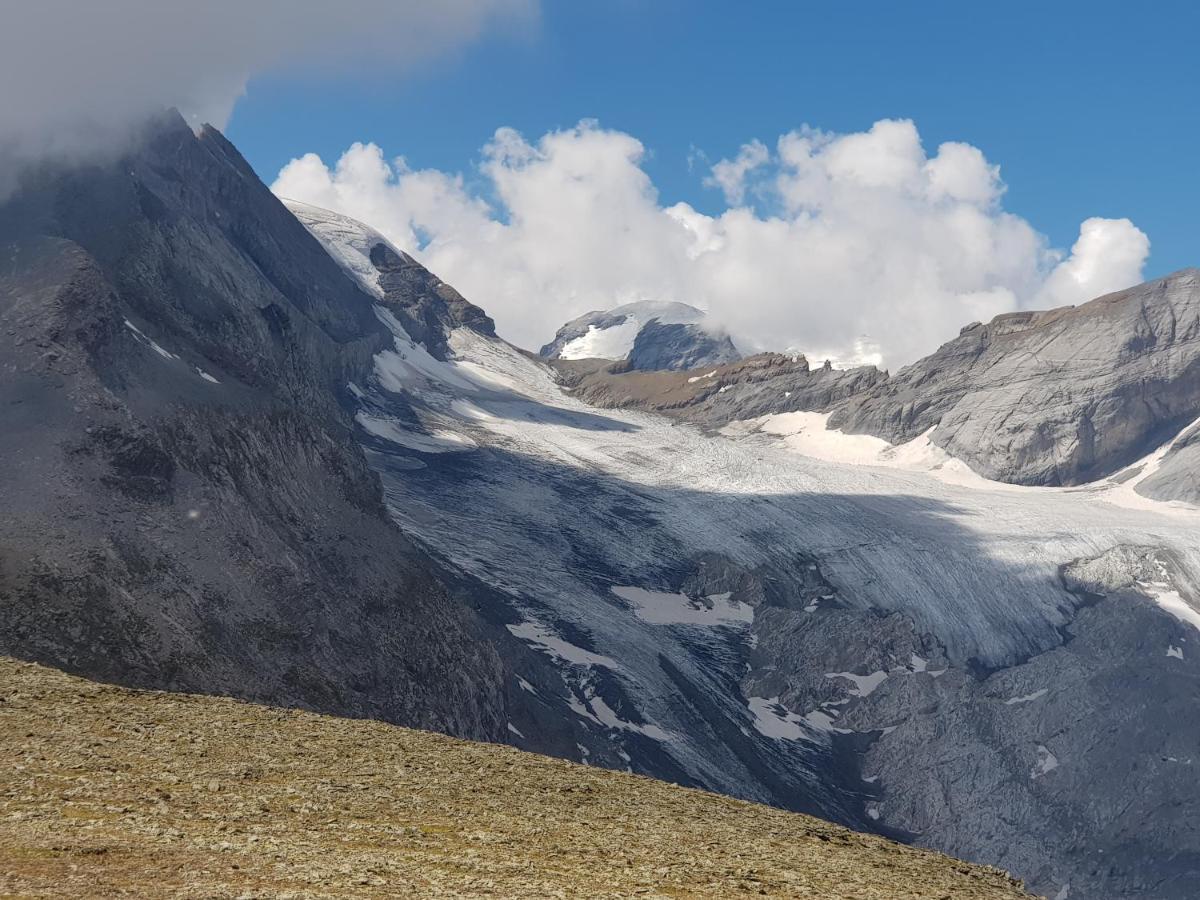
x=648, y=335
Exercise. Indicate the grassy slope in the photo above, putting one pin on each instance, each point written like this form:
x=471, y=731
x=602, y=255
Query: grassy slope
x=105, y=790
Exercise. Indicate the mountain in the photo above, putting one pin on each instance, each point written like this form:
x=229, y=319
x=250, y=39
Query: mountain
x=1071, y=396
x=645, y=335
x=121, y=790
x=185, y=503
x=682, y=581
x=262, y=452
x=907, y=647
x=1061, y=397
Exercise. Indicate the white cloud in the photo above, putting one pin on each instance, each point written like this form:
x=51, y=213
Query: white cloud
x=76, y=76
x=730, y=175
x=860, y=245
x=1108, y=256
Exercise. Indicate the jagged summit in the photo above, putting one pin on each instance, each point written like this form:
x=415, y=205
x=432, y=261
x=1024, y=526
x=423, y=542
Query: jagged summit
x=648, y=335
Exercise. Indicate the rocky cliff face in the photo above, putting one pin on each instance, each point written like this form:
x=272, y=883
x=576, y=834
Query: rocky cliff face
x=759, y=385
x=185, y=505
x=1053, y=398
x=1061, y=397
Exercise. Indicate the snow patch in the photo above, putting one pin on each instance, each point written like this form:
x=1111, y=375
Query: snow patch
x=409, y=366
x=394, y=432
x=1171, y=601
x=149, y=342
x=773, y=721
x=1120, y=488
x=1174, y=652
x=548, y=642
x=808, y=434
x=696, y=378
x=609, y=718
x=664, y=608
x=1046, y=762
x=614, y=342
x=1011, y=701
x=863, y=684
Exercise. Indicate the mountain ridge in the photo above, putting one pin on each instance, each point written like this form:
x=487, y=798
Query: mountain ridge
x=432, y=532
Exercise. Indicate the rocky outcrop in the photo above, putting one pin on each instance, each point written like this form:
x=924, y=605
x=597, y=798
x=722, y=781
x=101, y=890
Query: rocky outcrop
x=756, y=386
x=1052, y=398
x=673, y=346
x=1060, y=397
x=185, y=503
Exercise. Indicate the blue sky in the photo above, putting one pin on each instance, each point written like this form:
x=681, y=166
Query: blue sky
x=1090, y=109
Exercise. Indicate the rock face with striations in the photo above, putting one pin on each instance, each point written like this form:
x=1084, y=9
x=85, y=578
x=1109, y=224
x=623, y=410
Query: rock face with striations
x=185, y=504
x=1053, y=398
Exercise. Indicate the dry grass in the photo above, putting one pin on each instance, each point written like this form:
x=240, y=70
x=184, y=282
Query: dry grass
x=106, y=791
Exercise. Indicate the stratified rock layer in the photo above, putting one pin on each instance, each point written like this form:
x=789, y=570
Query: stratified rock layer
x=1052, y=398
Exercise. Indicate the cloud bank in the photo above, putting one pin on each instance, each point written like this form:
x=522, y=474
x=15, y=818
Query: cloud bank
x=852, y=246
x=75, y=76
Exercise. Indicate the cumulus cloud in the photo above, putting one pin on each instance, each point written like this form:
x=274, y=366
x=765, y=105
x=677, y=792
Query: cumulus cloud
x=856, y=246
x=1108, y=256
x=77, y=75
x=730, y=174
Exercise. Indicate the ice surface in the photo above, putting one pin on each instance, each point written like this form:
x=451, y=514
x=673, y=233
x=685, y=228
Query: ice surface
x=348, y=241
x=666, y=608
